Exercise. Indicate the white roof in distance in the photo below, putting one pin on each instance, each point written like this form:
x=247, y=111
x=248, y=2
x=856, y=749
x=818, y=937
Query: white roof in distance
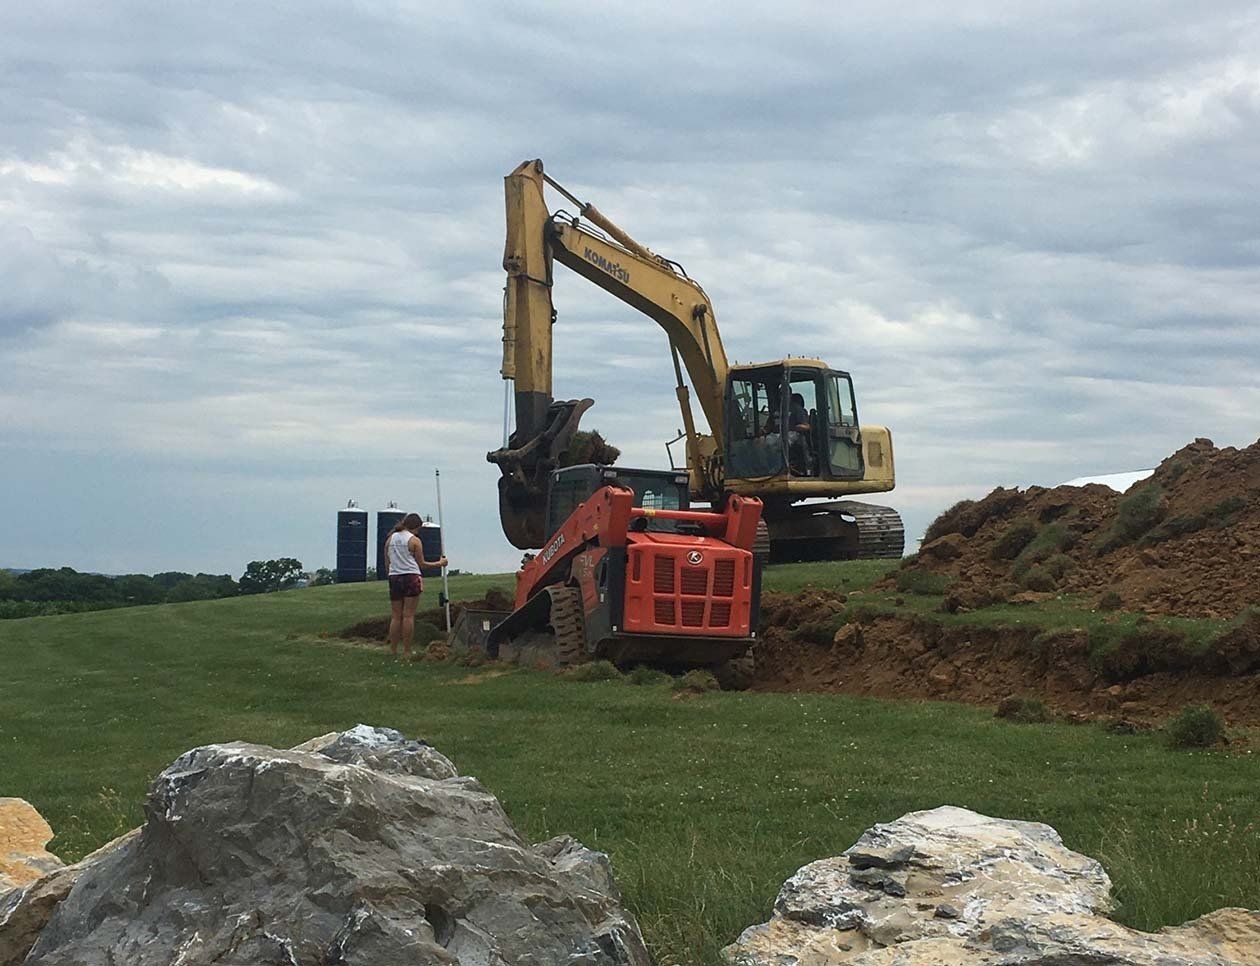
x=1117, y=481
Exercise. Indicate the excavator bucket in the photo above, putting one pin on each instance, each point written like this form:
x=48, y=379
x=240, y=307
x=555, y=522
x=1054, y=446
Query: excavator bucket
x=526, y=464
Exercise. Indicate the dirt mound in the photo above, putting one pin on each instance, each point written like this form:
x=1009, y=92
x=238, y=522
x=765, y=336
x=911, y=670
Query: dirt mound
x=377, y=628
x=1143, y=675
x=1185, y=541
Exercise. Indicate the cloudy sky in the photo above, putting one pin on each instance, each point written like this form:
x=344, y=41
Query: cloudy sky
x=250, y=253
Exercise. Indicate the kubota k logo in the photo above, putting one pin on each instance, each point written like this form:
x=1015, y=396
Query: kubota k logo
x=695, y=558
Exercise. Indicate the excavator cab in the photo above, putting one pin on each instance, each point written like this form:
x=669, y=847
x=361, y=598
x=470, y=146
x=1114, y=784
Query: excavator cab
x=794, y=420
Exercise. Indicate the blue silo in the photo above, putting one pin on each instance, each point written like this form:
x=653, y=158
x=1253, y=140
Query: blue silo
x=352, y=539
x=386, y=520
x=431, y=541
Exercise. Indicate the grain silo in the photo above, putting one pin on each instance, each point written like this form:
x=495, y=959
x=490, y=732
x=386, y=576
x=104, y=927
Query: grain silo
x=431, y=541
x=352, y=538
x=386, y=520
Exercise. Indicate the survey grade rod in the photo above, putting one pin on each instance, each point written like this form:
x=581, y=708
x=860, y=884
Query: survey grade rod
x=446, y=593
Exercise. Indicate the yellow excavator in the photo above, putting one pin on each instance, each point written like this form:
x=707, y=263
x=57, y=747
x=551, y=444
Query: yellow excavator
x=786, y=432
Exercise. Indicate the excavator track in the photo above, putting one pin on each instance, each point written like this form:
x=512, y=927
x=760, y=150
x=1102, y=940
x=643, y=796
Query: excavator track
x=837, y=530
x=881, y=534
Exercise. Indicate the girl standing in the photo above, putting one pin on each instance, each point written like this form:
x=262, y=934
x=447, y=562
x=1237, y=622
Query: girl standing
x=404, y=556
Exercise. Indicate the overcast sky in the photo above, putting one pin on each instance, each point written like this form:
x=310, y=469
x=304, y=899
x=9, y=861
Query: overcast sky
x=250, y=253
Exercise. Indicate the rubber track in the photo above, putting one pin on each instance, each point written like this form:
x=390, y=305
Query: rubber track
x=568, y=625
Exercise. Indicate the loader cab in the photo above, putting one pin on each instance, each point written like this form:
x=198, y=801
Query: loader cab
x=794, y=419
x=653, y=489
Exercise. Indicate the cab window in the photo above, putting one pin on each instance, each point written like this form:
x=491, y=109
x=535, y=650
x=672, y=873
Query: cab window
x=755, y=442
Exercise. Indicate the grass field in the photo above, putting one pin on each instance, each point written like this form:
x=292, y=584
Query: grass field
x=705, y=805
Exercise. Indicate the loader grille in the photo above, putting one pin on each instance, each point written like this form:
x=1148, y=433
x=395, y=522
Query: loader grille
x=724, y=578
x=668, y=593
x=663, y=574
x=695, y=581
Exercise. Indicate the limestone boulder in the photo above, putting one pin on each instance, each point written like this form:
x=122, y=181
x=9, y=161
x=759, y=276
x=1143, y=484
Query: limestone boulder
x=357, y=848
x=949, y=886
x=24, y=836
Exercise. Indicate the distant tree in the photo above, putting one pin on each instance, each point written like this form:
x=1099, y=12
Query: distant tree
x=322, y=577
x=139, y=589
x=202, y=587
x=266, y=576
x=170, y=578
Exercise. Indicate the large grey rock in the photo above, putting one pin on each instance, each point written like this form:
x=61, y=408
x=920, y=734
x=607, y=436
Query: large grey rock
x=359, y=848
x=949, y=886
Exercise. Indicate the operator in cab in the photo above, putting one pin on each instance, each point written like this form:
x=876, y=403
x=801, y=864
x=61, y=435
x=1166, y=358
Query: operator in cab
x=799, y=436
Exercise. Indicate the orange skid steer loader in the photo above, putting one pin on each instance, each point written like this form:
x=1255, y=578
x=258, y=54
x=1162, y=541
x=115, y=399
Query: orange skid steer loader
x=632, y=575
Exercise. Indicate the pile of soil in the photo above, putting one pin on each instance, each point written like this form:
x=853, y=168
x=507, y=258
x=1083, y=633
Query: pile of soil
x=377, y=628
x=807, y=646
x=1185, y=541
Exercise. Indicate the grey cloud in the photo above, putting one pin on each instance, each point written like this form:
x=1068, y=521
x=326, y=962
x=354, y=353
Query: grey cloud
x=273, y=233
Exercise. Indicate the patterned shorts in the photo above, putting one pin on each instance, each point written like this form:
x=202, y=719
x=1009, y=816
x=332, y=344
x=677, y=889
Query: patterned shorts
x=405, y=585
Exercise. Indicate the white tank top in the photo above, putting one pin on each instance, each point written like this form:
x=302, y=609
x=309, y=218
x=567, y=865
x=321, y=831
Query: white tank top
x=401, y=559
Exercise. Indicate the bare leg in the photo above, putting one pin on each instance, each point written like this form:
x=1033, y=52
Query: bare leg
x=395, y=625
x=408, y=624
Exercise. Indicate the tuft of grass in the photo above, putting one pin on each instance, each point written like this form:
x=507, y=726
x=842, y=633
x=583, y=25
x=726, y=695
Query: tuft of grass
x=1022, y=710
x=1195, y=726
x=646, y=676
x=698, y=680
x=1038, y=578
x=952, y=520
x=1155, y=885
x=1109, y=601
x=426, y=634
x=1138, y=512
x=592, y=671
x=922, y=582
x=1013, y=540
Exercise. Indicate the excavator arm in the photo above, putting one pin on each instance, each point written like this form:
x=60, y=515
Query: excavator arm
x=615, y=262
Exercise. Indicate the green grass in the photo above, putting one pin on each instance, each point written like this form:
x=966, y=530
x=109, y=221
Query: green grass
x=705, y=805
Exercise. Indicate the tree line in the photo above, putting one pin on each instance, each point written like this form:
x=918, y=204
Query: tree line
x=63, y=590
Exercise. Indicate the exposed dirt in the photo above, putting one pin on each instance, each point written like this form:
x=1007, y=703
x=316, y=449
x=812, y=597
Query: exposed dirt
x=377, y=628
x=1186, y=541
x=1146, y=678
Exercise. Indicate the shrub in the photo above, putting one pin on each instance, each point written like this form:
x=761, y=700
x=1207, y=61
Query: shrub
x=1022, y=710
x=648, y=676
x=1138, y=512
x=1039, y=579
x=1013, y=541
x=1217, y=517
x=1109, y=601
x=1059, y=566
x=1195, y=726
x=922, y=582
x=593, y=671
x=697, y=681
x=1147, y=648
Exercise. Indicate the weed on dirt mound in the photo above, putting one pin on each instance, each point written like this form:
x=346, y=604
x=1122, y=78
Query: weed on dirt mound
x=1185, y=541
